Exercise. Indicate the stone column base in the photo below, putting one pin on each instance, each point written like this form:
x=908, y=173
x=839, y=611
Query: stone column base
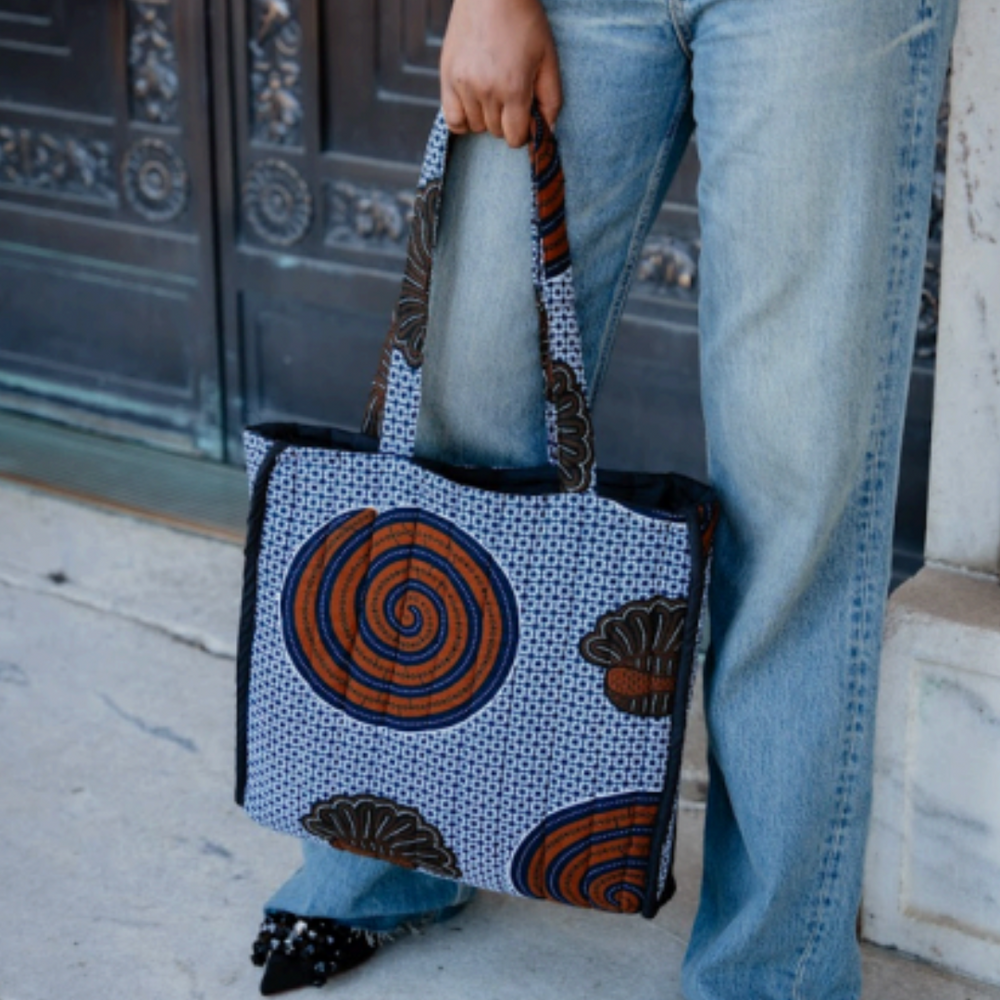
x=932, y=880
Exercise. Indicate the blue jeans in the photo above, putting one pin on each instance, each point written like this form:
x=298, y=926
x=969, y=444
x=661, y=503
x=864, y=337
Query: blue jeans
x=816, y=128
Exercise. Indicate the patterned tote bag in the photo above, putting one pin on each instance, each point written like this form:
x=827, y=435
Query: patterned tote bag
x=483, y=674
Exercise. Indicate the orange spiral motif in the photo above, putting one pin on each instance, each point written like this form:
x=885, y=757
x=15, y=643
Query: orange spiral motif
x=400, y=619
x=595, y=854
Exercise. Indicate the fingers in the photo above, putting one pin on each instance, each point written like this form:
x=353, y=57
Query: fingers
x=548, y=88
x=463, y=111
x=454, y=111
x=493, y=116
x=496, y=56
x=516, y=122
x=507, y=119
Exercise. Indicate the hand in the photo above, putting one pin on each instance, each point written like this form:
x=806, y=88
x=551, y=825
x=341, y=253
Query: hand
x=497, y=56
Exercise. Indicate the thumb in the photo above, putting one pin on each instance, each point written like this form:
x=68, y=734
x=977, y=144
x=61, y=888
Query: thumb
x=548, y=87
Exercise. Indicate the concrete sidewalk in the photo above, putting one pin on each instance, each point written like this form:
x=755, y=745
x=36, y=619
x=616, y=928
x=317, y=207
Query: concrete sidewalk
x=125, y=869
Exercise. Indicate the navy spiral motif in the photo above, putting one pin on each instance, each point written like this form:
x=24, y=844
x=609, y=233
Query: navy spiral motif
x=593, y=854
x=399, y=619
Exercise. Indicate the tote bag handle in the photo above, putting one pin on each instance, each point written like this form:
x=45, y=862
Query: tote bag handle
x=394, y=403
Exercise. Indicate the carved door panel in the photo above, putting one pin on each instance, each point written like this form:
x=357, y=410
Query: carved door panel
x=107, y=289
x=333, y=99
x=193, y=188
x=330, y=120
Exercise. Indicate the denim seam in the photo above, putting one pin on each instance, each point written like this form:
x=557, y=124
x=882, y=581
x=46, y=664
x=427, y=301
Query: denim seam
x=863, y=593
x=681, y=29
x=639, y=231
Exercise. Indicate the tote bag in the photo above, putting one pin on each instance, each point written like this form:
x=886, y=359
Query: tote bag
x=482, y=674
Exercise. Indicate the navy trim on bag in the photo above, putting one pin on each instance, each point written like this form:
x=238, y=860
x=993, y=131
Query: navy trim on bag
x=678, y=726
x=248, y=609
x=647, y=492
x=670, y=495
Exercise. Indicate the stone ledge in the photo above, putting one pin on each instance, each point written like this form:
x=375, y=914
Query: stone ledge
x=933, y=862
x=937, y=592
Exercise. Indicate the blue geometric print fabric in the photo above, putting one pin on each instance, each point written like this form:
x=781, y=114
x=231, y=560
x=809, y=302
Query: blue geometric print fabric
x=436, y=152
x=537, y=740
x=487, y=684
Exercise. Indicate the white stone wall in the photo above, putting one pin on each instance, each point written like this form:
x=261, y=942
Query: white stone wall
x=932, y=883
x=964, y=505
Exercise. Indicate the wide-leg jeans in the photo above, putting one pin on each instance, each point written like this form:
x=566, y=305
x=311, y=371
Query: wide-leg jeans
x=816, y=126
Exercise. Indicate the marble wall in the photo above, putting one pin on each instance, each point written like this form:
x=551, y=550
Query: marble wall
x=932, y=883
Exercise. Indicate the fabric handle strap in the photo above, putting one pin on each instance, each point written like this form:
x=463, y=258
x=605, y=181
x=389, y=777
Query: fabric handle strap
x=394, y=403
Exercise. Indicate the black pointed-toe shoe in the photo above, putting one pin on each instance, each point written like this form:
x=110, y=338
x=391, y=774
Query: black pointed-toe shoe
x=306, y=951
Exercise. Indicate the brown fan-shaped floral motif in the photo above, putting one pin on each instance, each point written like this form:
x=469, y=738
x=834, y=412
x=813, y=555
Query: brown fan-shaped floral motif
x=639, y=645
x=574, y=428
x=411, y=312
x=574, y=431
x=380, y=828
x=408, y=330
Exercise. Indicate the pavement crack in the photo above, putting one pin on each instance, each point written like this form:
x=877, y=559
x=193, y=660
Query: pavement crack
x=202, y=642
x=160, y=732
x=210, y=847
x=11, y=673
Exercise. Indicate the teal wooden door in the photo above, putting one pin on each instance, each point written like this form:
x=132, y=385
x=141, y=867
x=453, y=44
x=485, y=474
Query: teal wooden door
x=108, y=296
